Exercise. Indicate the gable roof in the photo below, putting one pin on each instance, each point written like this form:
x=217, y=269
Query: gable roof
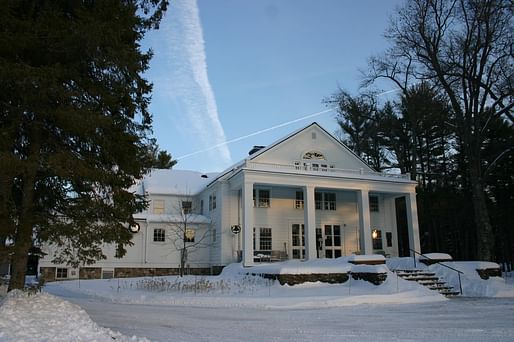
x=242, y=162
x=299, y=131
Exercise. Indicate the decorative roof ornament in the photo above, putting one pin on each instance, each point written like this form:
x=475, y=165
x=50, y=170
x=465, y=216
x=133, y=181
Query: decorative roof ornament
x=314, y=155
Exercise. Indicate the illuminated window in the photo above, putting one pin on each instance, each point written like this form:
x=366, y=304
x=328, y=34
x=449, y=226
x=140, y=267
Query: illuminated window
x=158, y=206
x=190, y=235
x=376, y=236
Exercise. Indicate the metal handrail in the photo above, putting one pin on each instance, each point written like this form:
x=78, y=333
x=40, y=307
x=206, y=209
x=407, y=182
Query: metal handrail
x=440, y=263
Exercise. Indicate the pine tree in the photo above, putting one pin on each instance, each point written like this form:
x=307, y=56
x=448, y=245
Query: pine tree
x=74, y=124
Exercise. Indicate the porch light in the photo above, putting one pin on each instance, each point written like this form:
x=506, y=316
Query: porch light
x=374, y=233
x=134, y=228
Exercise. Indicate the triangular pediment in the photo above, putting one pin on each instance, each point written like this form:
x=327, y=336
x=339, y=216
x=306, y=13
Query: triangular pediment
x=311, y=145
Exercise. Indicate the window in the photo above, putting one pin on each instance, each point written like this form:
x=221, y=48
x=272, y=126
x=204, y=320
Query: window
x=261, y=198
x=158, y=235
x=190, y=235
x=373, y=203
x=201, y=207
x=61, y=273
x=212, y=202
x=214, y=234
x=265, y=239
x=389, y=239
x=187, y=207
x=325, y=200
x=376, y=236
x=329, y=201
x=158, y=206
x=298, y=204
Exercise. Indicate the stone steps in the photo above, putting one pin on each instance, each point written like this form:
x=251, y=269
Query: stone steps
x=428, y=279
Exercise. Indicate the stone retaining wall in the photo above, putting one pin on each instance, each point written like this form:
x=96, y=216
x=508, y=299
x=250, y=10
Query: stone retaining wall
x=331, y=278
x=489, y=272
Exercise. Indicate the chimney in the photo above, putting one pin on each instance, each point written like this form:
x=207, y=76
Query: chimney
x=255, y=149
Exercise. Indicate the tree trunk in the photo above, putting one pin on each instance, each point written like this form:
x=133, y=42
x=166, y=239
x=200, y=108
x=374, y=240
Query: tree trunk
x=23, y=237
x=484, y=229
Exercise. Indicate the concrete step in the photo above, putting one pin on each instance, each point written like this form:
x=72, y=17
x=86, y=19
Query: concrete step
x=429, y=280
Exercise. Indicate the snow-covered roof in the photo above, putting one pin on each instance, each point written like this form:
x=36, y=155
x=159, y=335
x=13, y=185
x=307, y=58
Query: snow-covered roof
x=174, y=182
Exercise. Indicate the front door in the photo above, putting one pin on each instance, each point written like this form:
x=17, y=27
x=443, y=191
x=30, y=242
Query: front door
x=332, y=241
x=298, y=241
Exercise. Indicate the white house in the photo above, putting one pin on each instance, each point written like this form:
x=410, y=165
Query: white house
x=306, y=196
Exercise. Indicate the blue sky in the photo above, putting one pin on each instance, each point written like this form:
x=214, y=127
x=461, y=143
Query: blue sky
x=226, y=69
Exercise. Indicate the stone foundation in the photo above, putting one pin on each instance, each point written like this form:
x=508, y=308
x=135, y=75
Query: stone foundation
x=295, y=279
x=330, y=278
x=47, y=274
x=374, y=278
x=90, y=273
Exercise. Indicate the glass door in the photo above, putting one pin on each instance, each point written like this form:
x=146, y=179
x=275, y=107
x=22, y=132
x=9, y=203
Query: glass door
x=332, y=239
x=298, y=241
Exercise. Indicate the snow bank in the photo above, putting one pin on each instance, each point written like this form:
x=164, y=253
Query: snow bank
x=43, y=317
x=236, y=288
x=472, y=284
x=435, y=256
x=317, y=266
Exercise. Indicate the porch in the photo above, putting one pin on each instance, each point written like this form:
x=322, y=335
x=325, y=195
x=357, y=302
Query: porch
x=330, y=219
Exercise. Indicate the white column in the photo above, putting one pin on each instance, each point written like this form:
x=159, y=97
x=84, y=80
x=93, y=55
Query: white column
x=309, y=218
x=247, y=195
x=412, y=222
x=366, y=245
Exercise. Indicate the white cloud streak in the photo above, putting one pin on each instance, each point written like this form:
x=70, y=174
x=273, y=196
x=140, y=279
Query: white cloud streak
x=185, y=82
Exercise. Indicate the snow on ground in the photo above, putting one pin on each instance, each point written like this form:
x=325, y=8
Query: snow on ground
x=472, y=284
x=42, y=317
x=233, y=288
x=236, y=306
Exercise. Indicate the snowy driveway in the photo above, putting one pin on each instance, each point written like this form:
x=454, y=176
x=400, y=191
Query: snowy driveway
x=460, y=319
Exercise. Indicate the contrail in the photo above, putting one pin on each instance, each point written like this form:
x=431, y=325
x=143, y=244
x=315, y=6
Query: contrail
x=186, y=84
x=257, y=132
x=271, y=128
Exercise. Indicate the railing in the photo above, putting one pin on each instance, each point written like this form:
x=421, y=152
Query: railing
x=440, y=263
x=321, y=170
